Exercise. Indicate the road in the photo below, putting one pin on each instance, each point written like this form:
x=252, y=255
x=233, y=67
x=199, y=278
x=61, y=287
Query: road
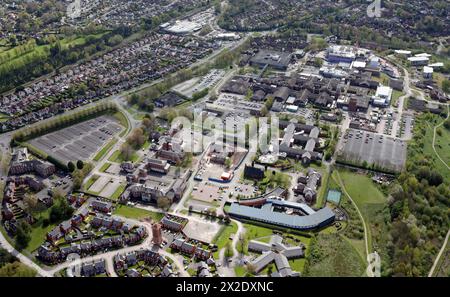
x=438, y=257
x=401, y=100
x=22, y=258
x=108, y=256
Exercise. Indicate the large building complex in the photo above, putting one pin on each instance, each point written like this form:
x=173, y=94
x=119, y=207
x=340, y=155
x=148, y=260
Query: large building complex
x=285, y=214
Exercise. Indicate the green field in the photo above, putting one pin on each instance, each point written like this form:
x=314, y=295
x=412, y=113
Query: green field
x=395, y=95
x=117, y=157
x=427, y=122
x=442, y=143
x=361, y=188
x=137, y=213
x=105, y=150
x=105, y=167
x=222, y=237
x=123, y=121
x=369, y=199
x=39, y=231
x=333, y=256
x=3, y=117
x=116, y=195
x=256, y=232
x=90, y=182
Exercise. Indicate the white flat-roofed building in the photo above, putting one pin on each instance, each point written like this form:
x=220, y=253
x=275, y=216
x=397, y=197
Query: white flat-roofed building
x=428, y=72
x=436, y=65
x=382, y=96
x=359, y=65
x=403, y=52
x=418, y=61
x=228, y=36
x=183, y=27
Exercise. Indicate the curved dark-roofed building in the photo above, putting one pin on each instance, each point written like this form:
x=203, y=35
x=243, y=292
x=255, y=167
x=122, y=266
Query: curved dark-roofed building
x=311, y=220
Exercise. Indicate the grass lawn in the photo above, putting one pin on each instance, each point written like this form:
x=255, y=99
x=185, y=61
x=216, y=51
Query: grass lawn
x=395, y=95
x=334, y=256
x=105, y=150
x=137, y=213
x=123, y=121
x=240, y=271
x=120, y=189
x=223, y=236
x=442, y=144
x=361, y=188
x=117, y=157
x=3, y=117
x=90, y=182
x=255, y=232
x=39, y=232
x=272, y=180
x=366, y=195
x=104, y=167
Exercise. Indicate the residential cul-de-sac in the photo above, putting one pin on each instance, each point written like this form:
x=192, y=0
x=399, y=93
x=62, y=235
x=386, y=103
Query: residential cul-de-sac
x=198, y=138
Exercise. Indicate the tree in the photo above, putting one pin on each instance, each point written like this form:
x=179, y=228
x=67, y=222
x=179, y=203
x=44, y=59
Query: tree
x=137, y=138
x=5, y=257
x=80, y=164
x=229, y=250
x=446, y=86
x=16, y=269
x=164, y=202
x=60, y=211
x=228, y=163
x=148, y=123
x=31, y=202
x=71, y=166
x=126, y=151
x=22, y=238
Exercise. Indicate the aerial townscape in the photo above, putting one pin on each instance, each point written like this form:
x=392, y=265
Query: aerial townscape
x=224, y=138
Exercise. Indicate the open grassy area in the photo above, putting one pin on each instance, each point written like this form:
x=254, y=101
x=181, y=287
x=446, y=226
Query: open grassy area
x=117, y=157
x=369, y=199
x=273, y=179
x=361, y=188
x=331, y=256
x=255, y=232
x=223, y=236
x=3, y=117
x=39, y=231
x=90, y=182
x=100, y=155
x=395, y=95
x=137, y=213
x=116, y=195
x=123, y=121
x=442, y=144
x=105, y=167
x=425, y=126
